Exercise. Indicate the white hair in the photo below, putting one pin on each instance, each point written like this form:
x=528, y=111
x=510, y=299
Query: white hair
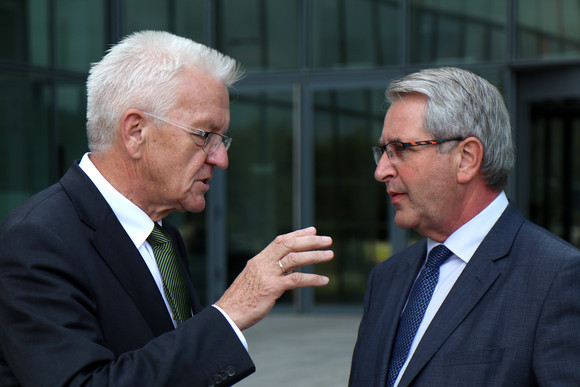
x=143, y=71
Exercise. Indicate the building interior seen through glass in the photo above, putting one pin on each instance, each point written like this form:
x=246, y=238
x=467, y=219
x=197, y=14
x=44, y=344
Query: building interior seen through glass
x=304, y=117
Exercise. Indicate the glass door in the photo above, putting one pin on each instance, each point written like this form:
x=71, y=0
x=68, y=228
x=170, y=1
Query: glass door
x=548, y=143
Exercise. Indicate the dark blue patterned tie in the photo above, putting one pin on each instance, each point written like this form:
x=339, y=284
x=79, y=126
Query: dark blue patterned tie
x=415, y=310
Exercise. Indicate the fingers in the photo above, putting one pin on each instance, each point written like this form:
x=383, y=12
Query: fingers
x=296, y=241
x=296, y=260
x=302, y=280
x=293, y=280
x=271, y=273
x=304, y=231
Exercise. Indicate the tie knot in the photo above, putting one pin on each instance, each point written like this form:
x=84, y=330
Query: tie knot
x=437, y=256
x=158, y=236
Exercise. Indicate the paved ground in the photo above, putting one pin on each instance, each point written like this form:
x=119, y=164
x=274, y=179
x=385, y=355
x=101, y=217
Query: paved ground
x=292, y=350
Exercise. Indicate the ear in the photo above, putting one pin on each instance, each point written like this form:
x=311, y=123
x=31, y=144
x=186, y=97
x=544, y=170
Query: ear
x=470, y=158
x=132, y=132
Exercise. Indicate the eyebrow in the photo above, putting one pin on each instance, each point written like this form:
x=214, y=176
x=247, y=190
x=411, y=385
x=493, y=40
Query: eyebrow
x=382, y=143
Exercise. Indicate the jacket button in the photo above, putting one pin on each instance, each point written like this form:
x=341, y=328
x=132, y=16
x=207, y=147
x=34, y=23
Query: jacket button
x=231, y=371
x=210, y=383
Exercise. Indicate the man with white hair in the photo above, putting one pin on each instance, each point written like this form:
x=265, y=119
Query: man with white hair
x=94, y=286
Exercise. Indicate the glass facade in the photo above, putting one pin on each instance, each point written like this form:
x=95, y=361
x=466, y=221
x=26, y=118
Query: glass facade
x=349, y=204
x=260, y=176
x=305, y=115
x=354, y=33
x=182, y=17
x=547, y=29
x=26, y=151
x=261, y=34
x=457, y=31
x=555, y=135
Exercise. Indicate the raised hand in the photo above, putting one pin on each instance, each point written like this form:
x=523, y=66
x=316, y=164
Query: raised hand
x=270, y=273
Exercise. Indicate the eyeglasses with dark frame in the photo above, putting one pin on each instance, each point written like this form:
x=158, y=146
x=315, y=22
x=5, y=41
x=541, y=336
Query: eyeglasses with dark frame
x=397, y=150
x=212, y=139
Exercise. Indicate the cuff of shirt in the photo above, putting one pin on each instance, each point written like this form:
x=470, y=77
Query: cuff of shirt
x=234, y=327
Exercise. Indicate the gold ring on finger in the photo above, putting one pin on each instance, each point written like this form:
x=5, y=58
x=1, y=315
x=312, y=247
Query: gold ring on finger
x=282, y=266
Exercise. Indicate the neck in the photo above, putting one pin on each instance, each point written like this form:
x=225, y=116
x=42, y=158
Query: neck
x=473, y=202
x=123, y=174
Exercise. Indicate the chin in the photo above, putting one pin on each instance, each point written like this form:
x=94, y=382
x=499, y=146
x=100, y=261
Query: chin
x=194, y=205
x=404, y=222
x=196, y=209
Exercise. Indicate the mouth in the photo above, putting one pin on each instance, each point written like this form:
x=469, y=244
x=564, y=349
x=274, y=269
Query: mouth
x=204, y=182
x=396, y=196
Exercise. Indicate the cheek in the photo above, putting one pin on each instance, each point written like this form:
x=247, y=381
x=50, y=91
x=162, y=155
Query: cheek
x=438, y=193
x=426, y=186
x=193, y=166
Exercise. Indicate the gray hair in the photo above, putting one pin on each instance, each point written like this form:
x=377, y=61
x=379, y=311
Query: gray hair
x=462, y=104
x=143, y=71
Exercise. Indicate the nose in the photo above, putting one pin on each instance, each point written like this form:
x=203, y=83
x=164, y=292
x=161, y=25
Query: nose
x=385, y=169
x=219, y=158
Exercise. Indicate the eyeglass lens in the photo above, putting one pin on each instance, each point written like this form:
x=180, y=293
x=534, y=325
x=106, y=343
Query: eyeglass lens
x=395, y=152
x=213, y=141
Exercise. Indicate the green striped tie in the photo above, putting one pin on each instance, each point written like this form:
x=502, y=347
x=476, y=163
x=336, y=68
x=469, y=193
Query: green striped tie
x=174, y=284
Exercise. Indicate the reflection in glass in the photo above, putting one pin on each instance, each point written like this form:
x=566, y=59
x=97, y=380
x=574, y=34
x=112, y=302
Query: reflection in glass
x=261, y=34
x=25, y=152
x=27, y=32
x=259, y=175
x=349, y=204
x=80, y=33
x=547, y=28
x=457, y=31
x=555, y=184
x=71, y=111
x=182, y=17
x=354, y=33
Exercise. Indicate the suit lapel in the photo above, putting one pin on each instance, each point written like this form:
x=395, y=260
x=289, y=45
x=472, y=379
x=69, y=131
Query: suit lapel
x=125, y=261
x=117, y=250
x=477, y=277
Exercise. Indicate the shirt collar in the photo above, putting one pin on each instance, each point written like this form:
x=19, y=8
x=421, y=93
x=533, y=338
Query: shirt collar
x=135, y=221
x=466, y=239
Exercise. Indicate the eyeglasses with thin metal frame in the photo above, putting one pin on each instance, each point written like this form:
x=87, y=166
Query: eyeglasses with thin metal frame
x=397, y=150
x=212, y=139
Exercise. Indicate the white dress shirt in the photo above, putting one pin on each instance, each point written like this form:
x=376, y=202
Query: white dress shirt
x=138, y=226
x=463, y=243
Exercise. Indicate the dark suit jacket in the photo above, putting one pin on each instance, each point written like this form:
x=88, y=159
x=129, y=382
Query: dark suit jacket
x=512, y=318
x=78, y=304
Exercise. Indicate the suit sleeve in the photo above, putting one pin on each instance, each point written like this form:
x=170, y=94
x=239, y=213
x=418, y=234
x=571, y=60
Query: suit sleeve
x=556, y=356
x=51, y=330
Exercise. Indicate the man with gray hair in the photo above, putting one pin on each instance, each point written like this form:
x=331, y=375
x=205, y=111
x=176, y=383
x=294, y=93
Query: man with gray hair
x=94, y=285
x=487, y=298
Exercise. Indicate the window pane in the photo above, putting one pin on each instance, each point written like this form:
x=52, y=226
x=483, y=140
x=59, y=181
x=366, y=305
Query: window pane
x=457, y=31
x=71, y=123
x=261, y=34
x=555, y=139
x=80, y=33
x=182, y=17
x=547, y=28
x=259, y=176
x=24, y=128
x=26, y=25
x=349, y=204
x=354, y=33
